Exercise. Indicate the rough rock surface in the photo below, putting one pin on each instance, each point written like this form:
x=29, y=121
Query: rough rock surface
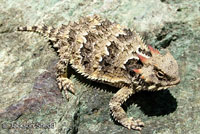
x=28, y=90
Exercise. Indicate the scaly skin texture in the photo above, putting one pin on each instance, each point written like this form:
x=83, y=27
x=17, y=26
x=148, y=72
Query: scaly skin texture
x=109, y=53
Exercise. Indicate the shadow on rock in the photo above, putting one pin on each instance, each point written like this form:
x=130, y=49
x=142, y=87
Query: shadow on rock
x=156, y=103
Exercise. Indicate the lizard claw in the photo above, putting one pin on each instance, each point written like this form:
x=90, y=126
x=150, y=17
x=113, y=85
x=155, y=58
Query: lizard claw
x=130, y=123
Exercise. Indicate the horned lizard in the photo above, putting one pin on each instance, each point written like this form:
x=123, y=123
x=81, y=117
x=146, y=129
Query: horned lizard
x=109, y=53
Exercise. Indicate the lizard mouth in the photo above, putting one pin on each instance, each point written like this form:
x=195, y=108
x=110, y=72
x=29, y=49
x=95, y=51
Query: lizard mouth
x=171, y=84
x=177, y=81
x=160, y=87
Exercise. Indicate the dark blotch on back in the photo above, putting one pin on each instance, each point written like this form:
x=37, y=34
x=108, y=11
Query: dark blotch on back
x=85, y=53
x=108, y=60
x=104, y=25
x=148, y=53
x=34, y=28
x=133, y=64
x=129, y=35
x=91, y=37
x=61, y=30
x=44, y=28
x=112, y=49
x=52, y=32
x=71, y=38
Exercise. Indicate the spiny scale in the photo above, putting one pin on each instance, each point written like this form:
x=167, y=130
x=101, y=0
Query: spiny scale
x=108, y=53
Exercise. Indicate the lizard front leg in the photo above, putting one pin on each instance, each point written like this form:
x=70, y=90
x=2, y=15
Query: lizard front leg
x=118, y=112
x=64, y=82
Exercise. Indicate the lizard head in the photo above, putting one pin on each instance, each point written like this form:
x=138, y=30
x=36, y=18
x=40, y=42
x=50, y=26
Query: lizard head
x=158, y=71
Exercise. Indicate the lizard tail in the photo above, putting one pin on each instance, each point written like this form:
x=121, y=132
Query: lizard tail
x=42, y=30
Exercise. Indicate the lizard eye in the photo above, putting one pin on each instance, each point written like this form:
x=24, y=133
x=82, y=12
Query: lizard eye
x=160, y=74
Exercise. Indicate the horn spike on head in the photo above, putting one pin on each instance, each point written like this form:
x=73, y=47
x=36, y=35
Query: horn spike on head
x=142, y=77
x=152, y=50
x=142, y=58
x=138, y=71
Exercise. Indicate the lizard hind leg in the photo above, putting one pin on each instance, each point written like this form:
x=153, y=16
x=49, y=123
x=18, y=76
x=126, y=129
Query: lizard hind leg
x=64, y=83
x=118, y=112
